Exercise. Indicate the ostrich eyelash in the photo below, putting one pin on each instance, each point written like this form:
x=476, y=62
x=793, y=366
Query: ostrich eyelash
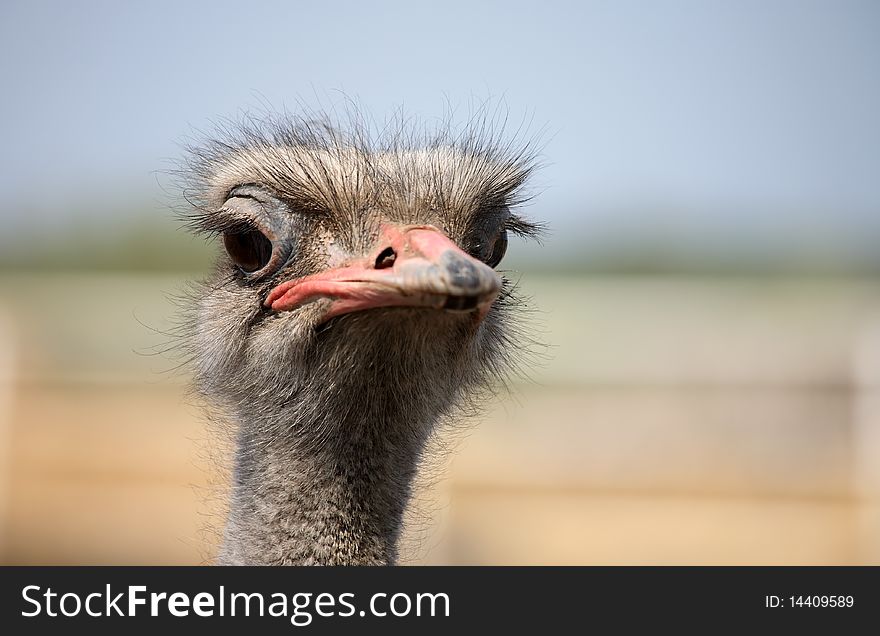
x=218, y=224
x=525, y=228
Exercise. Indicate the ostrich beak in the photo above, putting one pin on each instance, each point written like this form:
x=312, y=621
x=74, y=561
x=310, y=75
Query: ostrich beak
x=414, y=266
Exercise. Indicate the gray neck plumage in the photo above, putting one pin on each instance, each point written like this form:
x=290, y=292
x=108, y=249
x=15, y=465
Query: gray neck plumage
x=322, y=488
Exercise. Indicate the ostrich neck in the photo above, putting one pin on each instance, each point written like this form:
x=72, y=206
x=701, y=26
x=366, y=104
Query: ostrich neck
x=299, y=501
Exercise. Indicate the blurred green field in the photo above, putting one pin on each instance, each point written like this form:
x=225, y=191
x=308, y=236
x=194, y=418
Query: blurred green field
x=670, y=420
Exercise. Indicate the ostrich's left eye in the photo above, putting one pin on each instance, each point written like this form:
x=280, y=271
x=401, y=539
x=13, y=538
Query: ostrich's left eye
x=499, y=248
x=249, y=249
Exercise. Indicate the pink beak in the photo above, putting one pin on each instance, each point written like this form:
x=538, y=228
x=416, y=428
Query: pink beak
x=415, y=266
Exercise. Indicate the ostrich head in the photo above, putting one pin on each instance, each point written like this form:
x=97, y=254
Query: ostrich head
x=355, y=303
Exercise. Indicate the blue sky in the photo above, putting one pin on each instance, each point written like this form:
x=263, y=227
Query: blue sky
x=684, y=115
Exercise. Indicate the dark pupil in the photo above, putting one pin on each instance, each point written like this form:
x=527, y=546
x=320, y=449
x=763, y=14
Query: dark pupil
x=499, y=247
x=250, y=250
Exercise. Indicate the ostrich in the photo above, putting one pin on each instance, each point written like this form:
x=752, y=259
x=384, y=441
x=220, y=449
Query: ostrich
x=354, y=307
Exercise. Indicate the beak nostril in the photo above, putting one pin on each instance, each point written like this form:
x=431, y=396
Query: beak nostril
x=386, y=258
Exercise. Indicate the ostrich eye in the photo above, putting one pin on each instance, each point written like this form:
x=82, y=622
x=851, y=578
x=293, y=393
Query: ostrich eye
x=499, y=248
x=249, y=249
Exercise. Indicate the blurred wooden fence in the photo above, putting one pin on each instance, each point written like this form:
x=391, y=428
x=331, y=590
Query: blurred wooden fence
x=672, y=421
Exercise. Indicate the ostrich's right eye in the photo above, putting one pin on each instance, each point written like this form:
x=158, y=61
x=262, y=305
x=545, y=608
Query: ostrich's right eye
x=249, y=249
